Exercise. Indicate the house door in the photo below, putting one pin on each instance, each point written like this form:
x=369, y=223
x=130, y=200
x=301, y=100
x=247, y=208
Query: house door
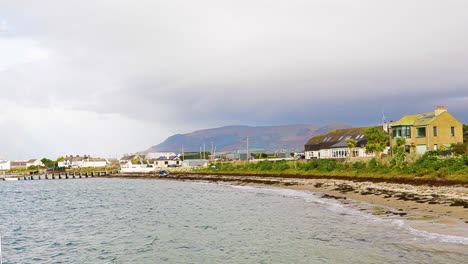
x=421, y=149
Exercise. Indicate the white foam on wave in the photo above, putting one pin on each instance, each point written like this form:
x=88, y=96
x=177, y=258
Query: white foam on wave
x=308, y=196
x=350, y=209
x=430, y=235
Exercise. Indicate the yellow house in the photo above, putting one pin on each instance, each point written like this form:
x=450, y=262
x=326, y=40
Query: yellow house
x=428, y=131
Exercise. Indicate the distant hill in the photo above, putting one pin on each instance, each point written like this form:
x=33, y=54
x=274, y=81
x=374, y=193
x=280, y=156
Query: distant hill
x=229, y=138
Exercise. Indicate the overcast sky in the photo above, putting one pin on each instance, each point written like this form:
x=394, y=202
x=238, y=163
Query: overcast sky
x=106, y=77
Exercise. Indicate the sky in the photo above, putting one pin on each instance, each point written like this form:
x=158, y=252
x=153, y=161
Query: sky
x=108, y=77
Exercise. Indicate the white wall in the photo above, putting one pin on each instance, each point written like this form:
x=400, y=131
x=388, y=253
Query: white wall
x=5, y=166
x=94, y=164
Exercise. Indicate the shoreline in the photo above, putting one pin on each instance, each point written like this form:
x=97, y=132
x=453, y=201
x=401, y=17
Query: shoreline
x=439, y=209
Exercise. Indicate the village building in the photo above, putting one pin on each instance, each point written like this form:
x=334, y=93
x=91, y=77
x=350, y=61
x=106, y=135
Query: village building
x=333, y=145
x=428, y=131
x=18, y=164
x=85, y=161
x=5, y=165
x=164, y=162
x=126, y=160
x=156, y=155
x=34, y=162
x=195, y=163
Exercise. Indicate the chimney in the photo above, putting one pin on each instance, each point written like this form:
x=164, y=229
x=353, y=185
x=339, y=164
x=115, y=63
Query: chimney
x=439, y=110
x=385, y=126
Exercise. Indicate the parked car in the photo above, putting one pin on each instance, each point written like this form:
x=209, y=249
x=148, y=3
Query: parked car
x=163, y=173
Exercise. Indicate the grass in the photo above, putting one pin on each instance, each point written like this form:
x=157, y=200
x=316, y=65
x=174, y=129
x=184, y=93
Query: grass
x=425, y=167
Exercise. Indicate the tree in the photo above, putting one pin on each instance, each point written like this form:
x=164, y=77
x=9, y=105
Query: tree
x=48, y=163
x=351, y=144
x=61, y=158
x=399, y=152
x=460, y=148
x=377, y=140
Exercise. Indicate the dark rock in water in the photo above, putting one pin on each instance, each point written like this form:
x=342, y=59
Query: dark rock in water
x=327, y=196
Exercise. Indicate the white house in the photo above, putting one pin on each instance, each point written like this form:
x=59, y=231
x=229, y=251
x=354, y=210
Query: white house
x=164, y=162
x=195, y=163
x=82, y=162
x=94, y=163
x=5, y=164
x=334, y=144
x=34, y=162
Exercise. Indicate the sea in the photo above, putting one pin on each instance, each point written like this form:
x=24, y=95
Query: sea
x=112, y=220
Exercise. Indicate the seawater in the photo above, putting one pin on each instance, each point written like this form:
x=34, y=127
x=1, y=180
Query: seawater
x=157, y=221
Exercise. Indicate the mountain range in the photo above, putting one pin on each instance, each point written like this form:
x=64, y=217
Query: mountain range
x=230, y=138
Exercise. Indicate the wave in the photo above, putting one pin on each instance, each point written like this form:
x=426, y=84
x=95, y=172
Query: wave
x=351, y=210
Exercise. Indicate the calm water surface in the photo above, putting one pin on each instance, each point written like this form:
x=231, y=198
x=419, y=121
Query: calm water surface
x=152, y=221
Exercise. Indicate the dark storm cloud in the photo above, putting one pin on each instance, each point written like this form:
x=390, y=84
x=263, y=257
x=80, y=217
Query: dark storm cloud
x=191, y=64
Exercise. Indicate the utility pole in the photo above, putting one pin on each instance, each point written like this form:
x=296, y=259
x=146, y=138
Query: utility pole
x=183, y=153
x=204, y=151
x=247, y=149
x=212, y=158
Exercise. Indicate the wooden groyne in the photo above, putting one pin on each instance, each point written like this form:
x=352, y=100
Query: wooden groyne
x=58, y=175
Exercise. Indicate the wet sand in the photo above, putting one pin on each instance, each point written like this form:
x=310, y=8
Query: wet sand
x=440, y=209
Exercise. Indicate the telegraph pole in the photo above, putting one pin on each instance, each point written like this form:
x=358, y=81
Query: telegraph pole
x=247, y=149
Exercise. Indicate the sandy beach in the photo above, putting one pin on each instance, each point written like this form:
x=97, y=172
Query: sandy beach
x=439, y=209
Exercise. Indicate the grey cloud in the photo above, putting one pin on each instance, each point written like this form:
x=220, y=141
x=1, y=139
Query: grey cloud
x=206, y=63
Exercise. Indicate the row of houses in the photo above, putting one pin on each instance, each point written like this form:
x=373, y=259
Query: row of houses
x=12, y=164
x=151, y=161
x=423, y=132
x=85, y=161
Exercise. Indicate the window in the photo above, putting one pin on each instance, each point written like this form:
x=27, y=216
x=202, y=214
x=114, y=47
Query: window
x=434, y=131
x=402, y=131
x=420, y=132
x=452, y=131
x=435, y=146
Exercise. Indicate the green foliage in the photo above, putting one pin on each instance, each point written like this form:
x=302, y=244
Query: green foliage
x=428, y=165
x=374, y=164
x=61, y=158
x=399, y=153
x=460, y=148
x=351, y=143
x=48, y=163
x=377, y=140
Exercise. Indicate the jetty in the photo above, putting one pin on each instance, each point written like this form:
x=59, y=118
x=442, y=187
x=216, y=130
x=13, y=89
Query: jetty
x=57, y=175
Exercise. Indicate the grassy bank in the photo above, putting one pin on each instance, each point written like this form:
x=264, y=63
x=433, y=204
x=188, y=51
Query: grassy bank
x=426, y=167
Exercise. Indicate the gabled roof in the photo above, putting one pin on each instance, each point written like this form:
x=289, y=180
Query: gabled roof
x=129, y=157
x=166, y=158
x=18, y=163
x=417, y=119
x=337, y=139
